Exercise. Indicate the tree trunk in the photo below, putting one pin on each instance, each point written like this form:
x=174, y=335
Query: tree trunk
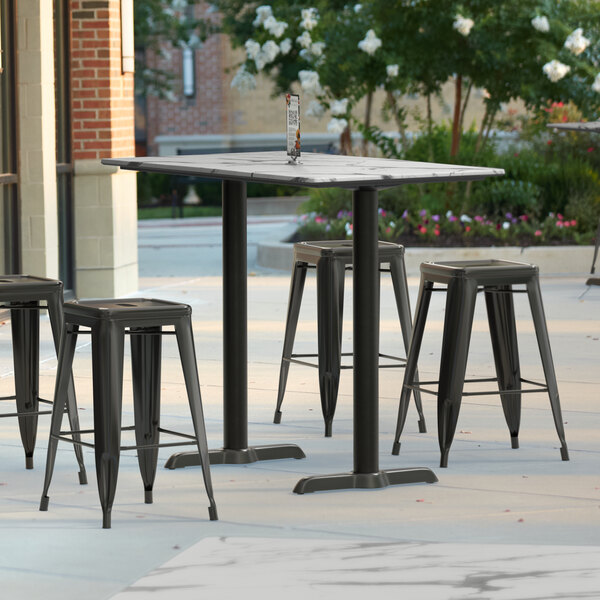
x=464, y=106
x=399, y=122
x=346, y=141
x=456, y=121
x=368, y=110
x=429, y=128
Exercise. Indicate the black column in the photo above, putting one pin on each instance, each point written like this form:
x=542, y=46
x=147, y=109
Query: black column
x=235, y=316
x=366, y=331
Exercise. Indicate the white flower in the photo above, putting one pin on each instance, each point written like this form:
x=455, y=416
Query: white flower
x=315, y=109
x=577, y=42
x=449, y=214
x=309, y=18
x=316, y=48
x=243, y=80
x=541, y=24
x=252, y=49
x=596, y=84
x=357, y=8
x=555, y=70
x=392, y=71
x=304, y=40
x=337, y=126
x=285, y=46
x=262, y=14
x=462, y=25
x=370, y=43
x=275, y=27
x=309, y=81
x=339, y=107
x=270, y=50
x=348, y=229
x=506, y=225
x=465, y=219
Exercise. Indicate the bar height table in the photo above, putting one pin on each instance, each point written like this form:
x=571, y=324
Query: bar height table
x=364, y=176
x=584, y=127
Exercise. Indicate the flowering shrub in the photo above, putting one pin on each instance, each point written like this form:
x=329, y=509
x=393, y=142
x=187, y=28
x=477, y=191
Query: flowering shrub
x=423, y=228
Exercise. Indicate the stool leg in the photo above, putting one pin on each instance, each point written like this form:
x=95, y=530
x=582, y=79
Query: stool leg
x=25, y=331
x=541, y=332
x=460, y=306
x=55, y=312
x=398, y=273
x=296, y=289
x=503, y=331
x=330, y=274
x=63, y=378
x=107, y=361
x=187, y=353
x=412, y=357
x=145, y=369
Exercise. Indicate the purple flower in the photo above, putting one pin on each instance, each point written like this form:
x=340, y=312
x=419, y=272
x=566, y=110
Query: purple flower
x=405, y=214
x=509, y=215
x=435, y=218
x=479, y=218
x=423, y=212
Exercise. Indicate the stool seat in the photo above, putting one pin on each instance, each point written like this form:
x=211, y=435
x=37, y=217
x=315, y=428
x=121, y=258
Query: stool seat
x=109, y=321
x=25, y=296
x=330, y=259
x=88, y=312
x=492, y=271
x=463, y=280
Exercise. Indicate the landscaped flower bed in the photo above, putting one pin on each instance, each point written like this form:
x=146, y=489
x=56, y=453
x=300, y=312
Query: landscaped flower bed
x=422, y=228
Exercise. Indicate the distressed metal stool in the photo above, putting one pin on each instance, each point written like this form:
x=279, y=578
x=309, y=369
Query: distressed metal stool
x=331, y=259
x=109, y=321
x=25, y=296
x=464, y=279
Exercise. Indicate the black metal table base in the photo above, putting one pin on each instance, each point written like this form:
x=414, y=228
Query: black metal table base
x=348, y=481
x=227, y=456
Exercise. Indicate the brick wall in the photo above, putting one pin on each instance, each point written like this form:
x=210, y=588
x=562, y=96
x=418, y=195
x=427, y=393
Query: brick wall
x=103, y=109
x=204, y=113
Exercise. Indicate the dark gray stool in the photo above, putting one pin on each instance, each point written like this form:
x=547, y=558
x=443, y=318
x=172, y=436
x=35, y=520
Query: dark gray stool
x=109, y=321
x=25, y=296
x=464, y=279
x=331, y=259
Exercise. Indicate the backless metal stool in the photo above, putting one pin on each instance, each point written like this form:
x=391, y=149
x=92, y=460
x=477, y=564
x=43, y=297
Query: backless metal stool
x=463, y=280
x=331, y=259
x=109, y=321
x=25, y=296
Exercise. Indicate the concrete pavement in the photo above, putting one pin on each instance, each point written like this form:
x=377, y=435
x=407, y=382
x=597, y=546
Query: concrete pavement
x=489, y=499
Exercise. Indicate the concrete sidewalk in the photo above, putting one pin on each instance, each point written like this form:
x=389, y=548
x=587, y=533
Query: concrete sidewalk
x=489, y=499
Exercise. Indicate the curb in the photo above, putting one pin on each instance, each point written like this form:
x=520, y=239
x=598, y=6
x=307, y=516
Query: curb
x=551, y=260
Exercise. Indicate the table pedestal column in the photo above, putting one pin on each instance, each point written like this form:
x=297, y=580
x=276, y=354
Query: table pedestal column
x=366, y=473
x=235, y=346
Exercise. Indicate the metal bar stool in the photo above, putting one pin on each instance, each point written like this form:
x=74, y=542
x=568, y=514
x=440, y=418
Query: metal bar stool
x=25, y=296
x=331, y=259
x=463, y=280
x=109, y=321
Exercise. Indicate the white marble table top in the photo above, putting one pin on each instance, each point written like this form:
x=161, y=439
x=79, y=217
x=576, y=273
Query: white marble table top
x=591, y=126
x=315, y=170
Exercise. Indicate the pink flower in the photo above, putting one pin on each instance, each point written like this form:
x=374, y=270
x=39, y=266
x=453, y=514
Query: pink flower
x=467, y=228
x=559, y=216
x=559, y=223
x=567, y=223
x=388, y=230
x=437, y=232
x=479, y=218
x=573, y=222
x=537, y=233
x=590, y=149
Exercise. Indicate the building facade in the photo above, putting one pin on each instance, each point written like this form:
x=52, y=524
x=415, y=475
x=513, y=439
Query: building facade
x=66, y=101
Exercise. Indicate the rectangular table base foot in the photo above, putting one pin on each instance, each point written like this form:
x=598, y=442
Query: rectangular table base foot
x=228, y=456
x=381, y=479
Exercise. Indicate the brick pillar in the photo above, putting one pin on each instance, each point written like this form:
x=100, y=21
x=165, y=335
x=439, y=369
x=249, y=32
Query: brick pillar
x=103, y=126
